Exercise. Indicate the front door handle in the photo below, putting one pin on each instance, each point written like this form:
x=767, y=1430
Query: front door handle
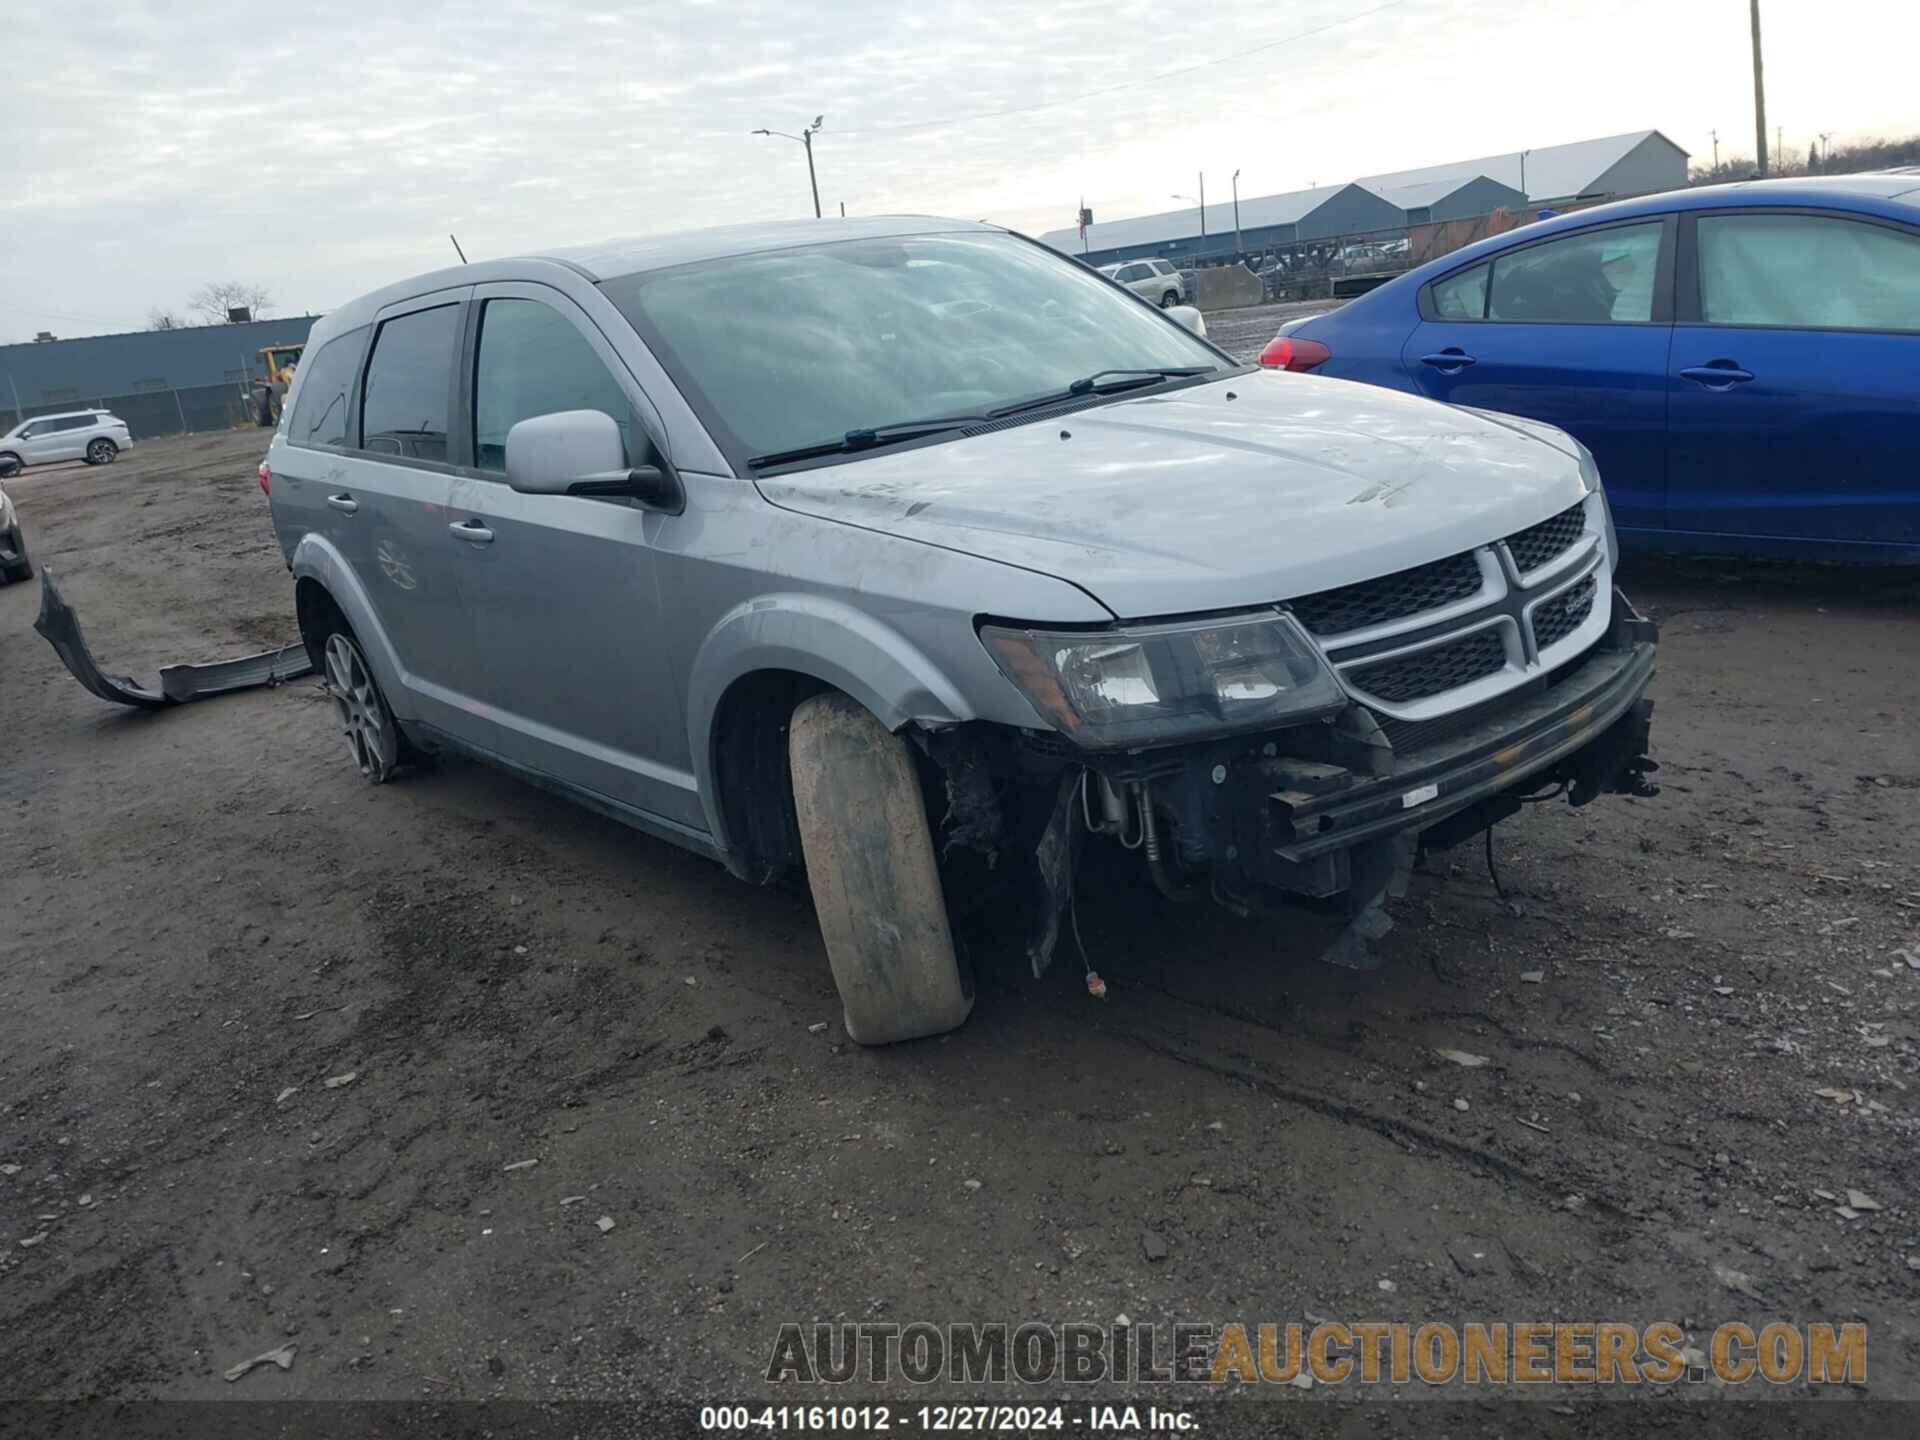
x=344, y=503
x=1450, y=361
x=473, y=532
x=1717, y=375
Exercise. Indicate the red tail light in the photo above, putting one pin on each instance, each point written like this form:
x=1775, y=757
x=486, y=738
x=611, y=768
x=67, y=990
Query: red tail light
x=266, y=480
x=1290, y=352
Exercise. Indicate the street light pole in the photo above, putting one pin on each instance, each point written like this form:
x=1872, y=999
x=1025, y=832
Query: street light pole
x=1201, y=201
x=1237, y=246
x=1759, y=97
x=805, y=137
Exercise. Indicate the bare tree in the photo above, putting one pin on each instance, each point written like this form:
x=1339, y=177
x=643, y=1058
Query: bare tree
x=217, y=297
x=161, y=318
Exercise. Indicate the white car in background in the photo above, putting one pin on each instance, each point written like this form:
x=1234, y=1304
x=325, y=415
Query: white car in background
x=1154, y=280
x=95, y=436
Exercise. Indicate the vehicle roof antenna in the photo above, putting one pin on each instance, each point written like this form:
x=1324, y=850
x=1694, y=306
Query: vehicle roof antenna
x=456, y=248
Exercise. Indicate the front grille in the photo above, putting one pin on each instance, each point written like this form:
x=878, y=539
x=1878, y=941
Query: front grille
x=1555, y=619
x=1429, y=672
x=1391, y=597
x=1407, y=735
x=1537, y=544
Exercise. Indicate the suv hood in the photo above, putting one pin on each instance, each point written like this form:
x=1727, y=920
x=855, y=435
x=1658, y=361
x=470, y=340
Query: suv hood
x=1239, y=492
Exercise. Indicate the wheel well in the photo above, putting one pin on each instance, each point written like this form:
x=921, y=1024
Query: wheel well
x=319, y=616
x=751, y=774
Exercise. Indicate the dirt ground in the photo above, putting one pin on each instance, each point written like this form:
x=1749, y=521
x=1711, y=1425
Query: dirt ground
x=1700, y=1014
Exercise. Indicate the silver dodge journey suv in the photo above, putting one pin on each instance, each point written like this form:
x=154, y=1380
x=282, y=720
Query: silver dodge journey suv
x=914, y=556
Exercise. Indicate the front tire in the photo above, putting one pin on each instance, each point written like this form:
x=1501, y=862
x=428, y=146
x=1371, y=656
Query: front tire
x=875, y=881
x=373, y=740
x=10, y=465
x=102, y=452
x=21, y=569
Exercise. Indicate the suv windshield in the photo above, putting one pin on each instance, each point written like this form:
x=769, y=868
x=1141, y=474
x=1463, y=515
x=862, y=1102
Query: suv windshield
x=795, y=348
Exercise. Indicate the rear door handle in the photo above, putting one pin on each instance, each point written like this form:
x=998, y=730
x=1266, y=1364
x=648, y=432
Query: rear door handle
x=1449, y=361
x=1720, y=375
x=344, y=503
x=473, y=532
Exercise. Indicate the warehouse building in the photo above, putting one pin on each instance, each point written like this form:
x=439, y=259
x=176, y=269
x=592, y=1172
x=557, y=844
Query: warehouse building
x=1426, y=202
x=161, y=382
x=1612, y=167
x=1268, y=222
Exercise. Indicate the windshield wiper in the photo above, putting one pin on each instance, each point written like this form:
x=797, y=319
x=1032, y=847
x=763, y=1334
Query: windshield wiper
x=868, y=438
x=1126, y=379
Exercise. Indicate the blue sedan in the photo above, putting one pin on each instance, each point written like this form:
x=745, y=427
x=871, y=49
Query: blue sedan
x=1742, y=360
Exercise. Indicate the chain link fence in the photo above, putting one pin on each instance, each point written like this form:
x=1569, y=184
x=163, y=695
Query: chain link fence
x=151, y=413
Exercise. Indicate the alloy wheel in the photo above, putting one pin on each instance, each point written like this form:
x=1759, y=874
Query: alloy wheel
x=371, y=737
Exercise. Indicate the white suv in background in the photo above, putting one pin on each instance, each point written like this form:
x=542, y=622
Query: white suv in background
x=1154, y=280
x=94, y=436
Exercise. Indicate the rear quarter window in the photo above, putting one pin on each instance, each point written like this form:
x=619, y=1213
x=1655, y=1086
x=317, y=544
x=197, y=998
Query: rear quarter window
x=326, y=393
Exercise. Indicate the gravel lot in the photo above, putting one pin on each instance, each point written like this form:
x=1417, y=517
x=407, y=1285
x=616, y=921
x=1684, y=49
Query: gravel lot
x=1244, y=333
x=1695, y=1010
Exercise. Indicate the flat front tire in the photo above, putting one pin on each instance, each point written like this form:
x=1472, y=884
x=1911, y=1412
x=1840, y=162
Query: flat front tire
x=871, y=866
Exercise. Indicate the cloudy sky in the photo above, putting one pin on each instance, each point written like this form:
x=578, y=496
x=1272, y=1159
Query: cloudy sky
x=321, y=150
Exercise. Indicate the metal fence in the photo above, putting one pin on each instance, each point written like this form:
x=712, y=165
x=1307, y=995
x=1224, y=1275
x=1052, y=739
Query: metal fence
x=1338, y=267
x=151, y=413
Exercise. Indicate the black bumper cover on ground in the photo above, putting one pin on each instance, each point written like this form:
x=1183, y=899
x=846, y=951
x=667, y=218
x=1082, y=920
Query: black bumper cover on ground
x=178, y=683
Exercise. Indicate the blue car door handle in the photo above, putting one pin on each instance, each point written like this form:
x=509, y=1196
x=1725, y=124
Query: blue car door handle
x=473, y=532
x=1450, y=361
x=1719, y=375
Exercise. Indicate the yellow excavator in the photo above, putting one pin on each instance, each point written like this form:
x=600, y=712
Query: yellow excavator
x=279, y=362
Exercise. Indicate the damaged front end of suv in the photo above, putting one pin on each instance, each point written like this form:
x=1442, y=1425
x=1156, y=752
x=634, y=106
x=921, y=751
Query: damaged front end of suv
x=1306, y=753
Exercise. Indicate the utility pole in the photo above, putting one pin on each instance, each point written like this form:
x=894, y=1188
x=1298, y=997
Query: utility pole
x=1237, y=246
x=1716, y=148
x=805, y=137
x=1759, y=97
x=1523, y=174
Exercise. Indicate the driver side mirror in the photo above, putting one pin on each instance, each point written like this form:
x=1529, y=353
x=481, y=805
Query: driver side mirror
x=581, y=452
x=1191, y=318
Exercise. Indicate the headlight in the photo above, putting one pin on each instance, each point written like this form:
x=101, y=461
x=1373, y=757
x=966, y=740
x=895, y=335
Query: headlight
x=1590, y=472
x=1153, y=684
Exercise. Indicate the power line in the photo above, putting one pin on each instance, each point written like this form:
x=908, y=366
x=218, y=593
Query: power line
x=1124, y=84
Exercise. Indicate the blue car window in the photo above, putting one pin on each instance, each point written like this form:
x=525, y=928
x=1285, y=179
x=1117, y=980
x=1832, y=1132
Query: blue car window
x=1808, y=271
x=1462, y=296
x=1594, y=277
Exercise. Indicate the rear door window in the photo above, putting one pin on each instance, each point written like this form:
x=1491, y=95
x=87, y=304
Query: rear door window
x=1808, y=272
x=410, y=385
x=1593, y=277
x=534, y=361
x=320, y=417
